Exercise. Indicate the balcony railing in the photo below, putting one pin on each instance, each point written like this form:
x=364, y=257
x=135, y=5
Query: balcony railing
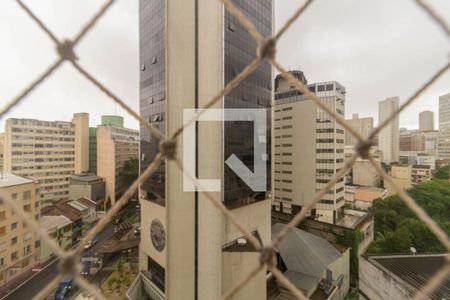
x=143, y=288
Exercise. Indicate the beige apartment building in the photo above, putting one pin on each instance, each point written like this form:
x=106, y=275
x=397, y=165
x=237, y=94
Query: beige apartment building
x=426, y=121
x=115, y=145
x=2, y=142
x=388, y=138
x=48, y=152
x=401, y=175
x=308, y=148
x=19, y=246
x=361, y=125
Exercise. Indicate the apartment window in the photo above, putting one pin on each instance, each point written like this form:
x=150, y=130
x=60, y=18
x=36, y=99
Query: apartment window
x=287, y=190
x=325, y=151
x=324, y=161
x=14, y=241
x=325, y=140
x=14, y=255
x=36, y=217
x=2, y=230
x=37, y=244
x=329, y=87
x=24, y=224
x=27, y=236
x=14, y=196
x=2, y=246
x=2, y=261
x=36, y=204
x=287, y=145
x=27, y=208
x=287, y=181
x=2, y=216
x=326, y=201
x=287, y=154
x=339, y=190
x=27, y=250
x=286, y=127
x=287, y=172
x=287, y=108
x=287, y=118
x=14, y=225
x=27, y=195
x=320, y=88
x=325, y=130
x=287, y=163
x=340, y=131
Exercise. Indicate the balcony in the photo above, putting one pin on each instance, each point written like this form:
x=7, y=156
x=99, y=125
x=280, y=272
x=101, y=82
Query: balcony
x=143, y=288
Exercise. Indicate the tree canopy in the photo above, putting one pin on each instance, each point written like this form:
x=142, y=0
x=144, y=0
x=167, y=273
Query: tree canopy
x=397, y=228
x=442, y=173
x=130, y=171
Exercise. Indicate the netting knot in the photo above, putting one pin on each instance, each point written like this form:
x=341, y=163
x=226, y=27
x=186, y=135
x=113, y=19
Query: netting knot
x=268, y=49
x=65, y=50
x=363, y=148
x=267, y=256
x=68, y=265
x=168, y=149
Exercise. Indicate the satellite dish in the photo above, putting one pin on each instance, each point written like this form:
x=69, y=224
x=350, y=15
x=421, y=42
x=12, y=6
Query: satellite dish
x=413, y=250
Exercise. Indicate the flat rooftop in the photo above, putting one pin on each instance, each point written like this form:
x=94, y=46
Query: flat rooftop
x=86, y=177
x=352, y=218
x=8, y=179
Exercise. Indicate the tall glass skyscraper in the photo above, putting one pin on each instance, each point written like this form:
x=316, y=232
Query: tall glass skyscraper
x=189, y=50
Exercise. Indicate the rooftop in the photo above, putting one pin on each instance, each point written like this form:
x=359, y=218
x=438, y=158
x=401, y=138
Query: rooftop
x=8, y=179
x=369, y=194
x=415, y=270
x=54, y=222
x=85, y=177
x=352, y=218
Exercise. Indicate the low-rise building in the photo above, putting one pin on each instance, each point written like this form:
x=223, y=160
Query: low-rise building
x=74, y=215
x=420, y=173
x=365, y=174
x=401, y=175
x=19, y=246
x=90, y=186
x=400, y=276
x=318, y=268
x=58, y=228
x=362, y=198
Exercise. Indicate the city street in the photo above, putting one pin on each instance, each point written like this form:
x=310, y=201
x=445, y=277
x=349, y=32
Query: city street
x=39, y=280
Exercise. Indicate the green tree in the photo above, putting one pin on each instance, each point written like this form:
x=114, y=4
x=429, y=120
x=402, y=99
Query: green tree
x=442, y=173
x=130, y=171
x=397, y=227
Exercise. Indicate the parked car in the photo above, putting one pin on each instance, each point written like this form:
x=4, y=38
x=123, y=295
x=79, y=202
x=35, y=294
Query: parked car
x=137, y=230
x=86, y=268
x=91, y=242
x=64, y=289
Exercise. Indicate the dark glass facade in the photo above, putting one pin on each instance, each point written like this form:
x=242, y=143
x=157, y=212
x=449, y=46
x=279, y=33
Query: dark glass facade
x=152, y=90
x=254, y=92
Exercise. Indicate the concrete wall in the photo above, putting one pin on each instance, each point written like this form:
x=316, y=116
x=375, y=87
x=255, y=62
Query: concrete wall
x=378, y=285
x=81, y=121
x=237, y=265
x=338, y=268
x=365, y=174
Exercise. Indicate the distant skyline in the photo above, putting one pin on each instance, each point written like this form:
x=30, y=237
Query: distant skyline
x=375, y=49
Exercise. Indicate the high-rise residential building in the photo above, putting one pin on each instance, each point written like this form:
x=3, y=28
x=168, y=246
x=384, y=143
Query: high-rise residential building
x=362, y=125
x=2, y=142
x=426, y=121
x=48, y=152
x=388, y=139
x=308, y=148
x=115, y=146
x=444, y=127
x=411, y=140
x=188, y=51
x=19, y=246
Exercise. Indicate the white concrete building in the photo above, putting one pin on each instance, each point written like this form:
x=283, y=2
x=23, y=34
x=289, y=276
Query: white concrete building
x=362, y=125
x=308, y=148
x=388, y=139
x=444, y=127
x=426, y=121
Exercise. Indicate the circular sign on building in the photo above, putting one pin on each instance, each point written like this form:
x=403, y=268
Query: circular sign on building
x=158, y=235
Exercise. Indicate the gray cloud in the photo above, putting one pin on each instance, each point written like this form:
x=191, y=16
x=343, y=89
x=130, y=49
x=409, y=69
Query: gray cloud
x=376, y=49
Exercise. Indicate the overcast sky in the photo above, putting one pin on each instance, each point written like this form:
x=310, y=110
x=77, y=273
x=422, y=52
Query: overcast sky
x=375, y=48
